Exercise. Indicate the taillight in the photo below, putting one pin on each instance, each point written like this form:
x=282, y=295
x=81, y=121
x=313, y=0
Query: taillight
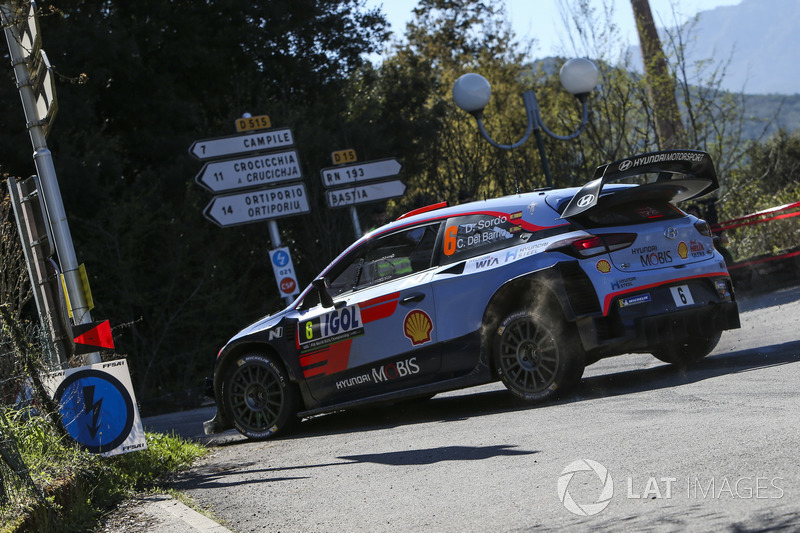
x=591, y=245
x=703, y=228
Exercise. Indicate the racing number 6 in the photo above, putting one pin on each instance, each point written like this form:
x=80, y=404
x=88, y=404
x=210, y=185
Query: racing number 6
x=309, y=330
x=682, y=296
x=450, y=240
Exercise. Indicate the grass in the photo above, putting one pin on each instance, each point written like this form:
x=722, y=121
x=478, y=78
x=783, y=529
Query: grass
x=75, y=488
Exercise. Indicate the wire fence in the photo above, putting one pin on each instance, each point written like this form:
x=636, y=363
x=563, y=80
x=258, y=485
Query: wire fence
x=24, y=405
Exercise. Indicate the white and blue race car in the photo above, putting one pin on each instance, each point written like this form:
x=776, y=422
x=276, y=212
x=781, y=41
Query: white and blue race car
x=528, y=289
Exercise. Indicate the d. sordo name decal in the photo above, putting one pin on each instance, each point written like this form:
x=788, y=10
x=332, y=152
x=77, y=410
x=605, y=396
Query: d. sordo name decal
x=335, y=326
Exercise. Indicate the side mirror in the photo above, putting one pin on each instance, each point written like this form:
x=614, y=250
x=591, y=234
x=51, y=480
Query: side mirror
x=321, y=285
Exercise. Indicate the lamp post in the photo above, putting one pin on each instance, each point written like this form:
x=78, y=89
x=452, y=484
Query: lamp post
x=472, y=92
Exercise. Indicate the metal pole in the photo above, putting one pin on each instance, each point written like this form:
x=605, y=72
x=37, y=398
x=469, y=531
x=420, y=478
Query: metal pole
x=356, y=223
x=47, y=177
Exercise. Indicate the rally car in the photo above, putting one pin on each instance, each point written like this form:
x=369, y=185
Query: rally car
x=527, y=289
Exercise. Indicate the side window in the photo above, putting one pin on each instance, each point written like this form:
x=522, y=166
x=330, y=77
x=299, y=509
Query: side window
x=473, y=235
x=386, y=258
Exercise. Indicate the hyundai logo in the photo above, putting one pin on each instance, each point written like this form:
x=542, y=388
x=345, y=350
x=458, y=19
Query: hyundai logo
x=585, y=200
x=670, y=233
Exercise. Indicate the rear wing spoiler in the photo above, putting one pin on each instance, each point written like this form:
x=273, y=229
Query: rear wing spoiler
x=682, y=175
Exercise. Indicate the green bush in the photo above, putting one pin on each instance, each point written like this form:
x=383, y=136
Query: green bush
x=72, y=487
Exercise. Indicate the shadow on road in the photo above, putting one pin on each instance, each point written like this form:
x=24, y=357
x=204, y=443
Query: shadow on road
x=451, y=408
x=223, y=476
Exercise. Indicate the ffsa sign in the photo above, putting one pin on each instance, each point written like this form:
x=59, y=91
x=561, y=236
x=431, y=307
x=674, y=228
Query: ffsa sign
x=284, y=272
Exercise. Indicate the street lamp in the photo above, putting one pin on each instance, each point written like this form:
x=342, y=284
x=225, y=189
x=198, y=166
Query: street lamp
x=471, y=92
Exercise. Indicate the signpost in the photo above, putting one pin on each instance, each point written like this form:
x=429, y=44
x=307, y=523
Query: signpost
x=252, y=171
x=343, y=175
x=34, y=79
x=364, y=194
x=257, y=168
x=370, y=170
x=283, y=268
x=242, y=144
x=258, y=205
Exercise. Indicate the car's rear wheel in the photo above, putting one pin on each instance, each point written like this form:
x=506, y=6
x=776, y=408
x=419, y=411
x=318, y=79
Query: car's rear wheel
x=258, y=397
x=685, y=353
x=536, y=356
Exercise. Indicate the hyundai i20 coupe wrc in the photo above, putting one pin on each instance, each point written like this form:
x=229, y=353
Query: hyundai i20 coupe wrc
x=528, y=289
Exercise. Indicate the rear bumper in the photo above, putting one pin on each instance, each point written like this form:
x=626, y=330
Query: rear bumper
x=641, y=321
x=692, y=323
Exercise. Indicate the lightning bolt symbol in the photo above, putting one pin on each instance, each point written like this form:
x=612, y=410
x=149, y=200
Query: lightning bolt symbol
x=90, y=406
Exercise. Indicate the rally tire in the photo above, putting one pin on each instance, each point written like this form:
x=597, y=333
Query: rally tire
x=685, y=353
x=537, y=357
x=258, y=397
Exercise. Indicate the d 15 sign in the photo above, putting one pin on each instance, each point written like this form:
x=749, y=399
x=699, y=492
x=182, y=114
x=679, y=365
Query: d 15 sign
x=340, y=157
x=364, y=194
x=370, y=170
x=254, y=206
x=250, y=171
x=242, y=144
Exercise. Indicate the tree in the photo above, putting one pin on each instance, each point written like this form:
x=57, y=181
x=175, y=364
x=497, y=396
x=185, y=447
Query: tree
x=137, y=83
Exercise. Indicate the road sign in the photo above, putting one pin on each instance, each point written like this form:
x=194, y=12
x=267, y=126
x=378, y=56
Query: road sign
x=250, y=171
x=340, y=157
x=283, y=268
x=260, y=122
x=369, y=170
x=28, y=33
x=44, y=91
x=255, y=206
x=98, y=408
x=242, y=144
x=364, y=194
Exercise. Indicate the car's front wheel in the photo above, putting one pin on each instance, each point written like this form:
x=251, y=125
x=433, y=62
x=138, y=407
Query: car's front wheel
x=537, y=357
x=685, y=353
x=258, y=396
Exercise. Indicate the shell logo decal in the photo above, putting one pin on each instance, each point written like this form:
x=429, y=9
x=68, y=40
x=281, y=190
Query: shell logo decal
x=417, y=327
x=683, y=250
x=603, y=266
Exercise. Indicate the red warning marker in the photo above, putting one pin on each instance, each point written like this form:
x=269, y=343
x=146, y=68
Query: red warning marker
x=92, y=337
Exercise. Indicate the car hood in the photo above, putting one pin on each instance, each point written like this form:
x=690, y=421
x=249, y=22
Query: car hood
x=262, y=324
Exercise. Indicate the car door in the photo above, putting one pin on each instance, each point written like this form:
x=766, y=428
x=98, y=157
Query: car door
x=380, y=336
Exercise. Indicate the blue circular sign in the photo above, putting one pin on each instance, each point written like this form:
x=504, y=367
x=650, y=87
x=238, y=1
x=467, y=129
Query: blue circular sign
x=96, y=410
x=280, y=258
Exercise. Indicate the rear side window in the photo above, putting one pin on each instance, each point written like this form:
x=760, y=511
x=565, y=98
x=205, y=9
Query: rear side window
x=473, y=235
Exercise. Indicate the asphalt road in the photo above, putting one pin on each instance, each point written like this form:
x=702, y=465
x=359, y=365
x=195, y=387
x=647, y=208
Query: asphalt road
x=639, y=446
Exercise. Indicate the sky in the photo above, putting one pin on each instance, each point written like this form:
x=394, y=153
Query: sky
x=541, y=19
